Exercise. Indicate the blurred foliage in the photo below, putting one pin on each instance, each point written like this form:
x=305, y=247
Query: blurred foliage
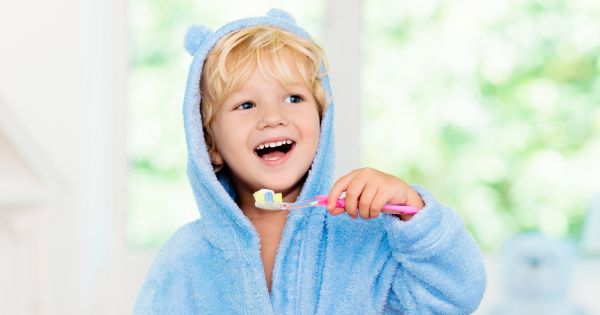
x=494, y=106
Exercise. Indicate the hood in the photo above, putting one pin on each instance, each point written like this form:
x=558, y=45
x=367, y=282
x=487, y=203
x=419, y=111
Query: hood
x=214, y=194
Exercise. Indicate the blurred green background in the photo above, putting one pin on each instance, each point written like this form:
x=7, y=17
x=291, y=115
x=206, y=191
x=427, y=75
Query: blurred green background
x=494, y=106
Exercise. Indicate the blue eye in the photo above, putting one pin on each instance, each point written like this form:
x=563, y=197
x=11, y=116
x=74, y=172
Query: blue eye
x=246, y=105
x=294, y=99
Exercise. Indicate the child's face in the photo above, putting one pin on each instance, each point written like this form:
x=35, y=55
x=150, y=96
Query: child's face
x=262, y=112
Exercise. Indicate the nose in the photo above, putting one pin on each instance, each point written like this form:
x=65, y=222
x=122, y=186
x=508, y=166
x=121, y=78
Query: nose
x=272, y=115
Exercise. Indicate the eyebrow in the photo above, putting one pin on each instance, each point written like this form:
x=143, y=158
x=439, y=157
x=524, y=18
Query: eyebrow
x=298, y=85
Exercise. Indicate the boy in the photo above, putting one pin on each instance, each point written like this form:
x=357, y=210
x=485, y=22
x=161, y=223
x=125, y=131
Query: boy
x=258, y=114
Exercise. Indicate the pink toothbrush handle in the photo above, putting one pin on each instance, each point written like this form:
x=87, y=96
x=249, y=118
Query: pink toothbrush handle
x=387, y=208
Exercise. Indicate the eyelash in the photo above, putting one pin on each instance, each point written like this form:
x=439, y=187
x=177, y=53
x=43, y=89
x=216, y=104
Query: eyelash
x=301, y=99
x=238, y=107
x=296, y=95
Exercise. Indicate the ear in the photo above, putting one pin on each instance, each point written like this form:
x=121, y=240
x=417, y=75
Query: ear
x=195, y=36
x=216, y=159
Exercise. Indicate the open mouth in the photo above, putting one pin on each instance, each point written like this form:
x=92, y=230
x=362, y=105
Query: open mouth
x=274, y=151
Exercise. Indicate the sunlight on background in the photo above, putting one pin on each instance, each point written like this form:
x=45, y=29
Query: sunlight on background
x=493, y=106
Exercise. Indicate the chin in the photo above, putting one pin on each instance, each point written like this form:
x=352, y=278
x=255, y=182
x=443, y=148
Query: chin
x=279, y=186
x=283, y=183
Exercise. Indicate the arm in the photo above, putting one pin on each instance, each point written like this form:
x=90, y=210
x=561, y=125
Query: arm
x=440, y=267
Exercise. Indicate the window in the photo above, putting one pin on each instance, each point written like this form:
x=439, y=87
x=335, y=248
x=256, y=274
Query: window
x=493, y=105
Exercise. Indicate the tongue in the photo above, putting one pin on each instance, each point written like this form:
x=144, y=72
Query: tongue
x=273, y=155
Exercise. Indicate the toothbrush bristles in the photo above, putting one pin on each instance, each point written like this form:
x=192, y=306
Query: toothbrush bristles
x=269, y=200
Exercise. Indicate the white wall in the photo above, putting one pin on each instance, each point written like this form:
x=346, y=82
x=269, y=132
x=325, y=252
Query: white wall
x=342, y=29
x=42, y=90
x=62, y=80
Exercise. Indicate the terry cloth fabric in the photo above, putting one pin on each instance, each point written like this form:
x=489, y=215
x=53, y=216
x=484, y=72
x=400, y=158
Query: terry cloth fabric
x=324, y=264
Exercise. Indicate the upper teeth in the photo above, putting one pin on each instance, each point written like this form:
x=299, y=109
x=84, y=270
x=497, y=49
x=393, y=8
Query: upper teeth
x=273, y=144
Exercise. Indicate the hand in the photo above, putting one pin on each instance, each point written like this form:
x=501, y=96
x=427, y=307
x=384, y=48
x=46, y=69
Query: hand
x=368, y=190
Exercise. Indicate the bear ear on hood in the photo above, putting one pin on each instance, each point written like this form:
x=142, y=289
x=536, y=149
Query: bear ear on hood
x=194, y=37
x=197, y=34
x=282, y=15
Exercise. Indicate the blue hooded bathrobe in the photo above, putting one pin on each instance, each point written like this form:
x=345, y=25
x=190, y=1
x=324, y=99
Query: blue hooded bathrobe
x=324, y=264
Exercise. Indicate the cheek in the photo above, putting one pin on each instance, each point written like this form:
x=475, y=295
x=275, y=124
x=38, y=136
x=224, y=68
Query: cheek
x=229, y=140
x=316, y=132
x=316, y=125
x=312, y=131
x=225, y=139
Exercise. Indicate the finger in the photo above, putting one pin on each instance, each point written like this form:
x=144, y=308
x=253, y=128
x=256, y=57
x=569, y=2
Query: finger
x=336, y=191
x=365, y=200
x=355, y=189
x=378, y=202
x=338, y=211
x=400, y=197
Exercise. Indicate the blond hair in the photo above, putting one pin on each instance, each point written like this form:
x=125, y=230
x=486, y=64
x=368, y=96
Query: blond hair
x=237, y=55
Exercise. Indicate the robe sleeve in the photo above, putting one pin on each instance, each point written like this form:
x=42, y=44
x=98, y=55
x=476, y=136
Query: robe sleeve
x=440, y=266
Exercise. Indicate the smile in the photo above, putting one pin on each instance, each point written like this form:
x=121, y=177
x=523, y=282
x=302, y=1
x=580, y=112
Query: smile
x=275, y=152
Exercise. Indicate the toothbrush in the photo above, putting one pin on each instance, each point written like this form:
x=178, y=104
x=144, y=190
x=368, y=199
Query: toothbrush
x=268, y=200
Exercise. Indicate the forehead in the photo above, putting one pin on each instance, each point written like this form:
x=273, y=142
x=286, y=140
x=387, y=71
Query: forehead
x=286, y=69
x=259, y=84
